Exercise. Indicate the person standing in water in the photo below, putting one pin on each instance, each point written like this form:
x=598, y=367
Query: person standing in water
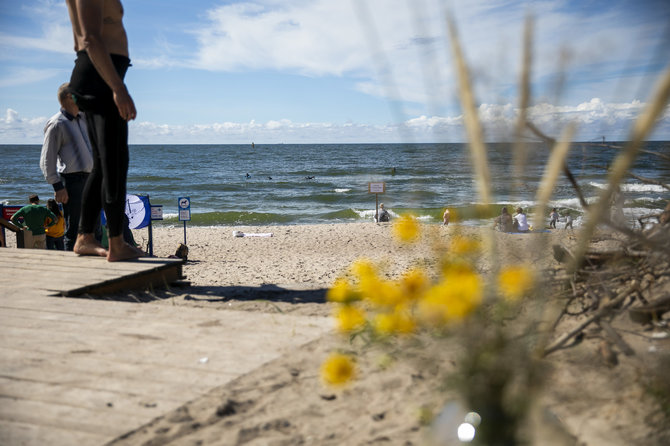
x=97, y=87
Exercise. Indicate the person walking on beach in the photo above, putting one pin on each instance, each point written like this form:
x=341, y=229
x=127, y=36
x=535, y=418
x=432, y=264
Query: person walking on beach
x=35, y=218
x=445, y=217
x=67, y=160
x=96, y=83
x=568, y=222
x=553, y=218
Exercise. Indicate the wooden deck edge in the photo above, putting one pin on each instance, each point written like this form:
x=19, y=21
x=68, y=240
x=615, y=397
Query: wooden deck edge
x=159, y=277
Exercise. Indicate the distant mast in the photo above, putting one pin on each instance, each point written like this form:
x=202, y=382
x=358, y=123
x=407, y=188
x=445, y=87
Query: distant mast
x=254, y=145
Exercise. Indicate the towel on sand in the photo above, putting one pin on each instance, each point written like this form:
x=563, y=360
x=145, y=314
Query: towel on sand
x=251, y=234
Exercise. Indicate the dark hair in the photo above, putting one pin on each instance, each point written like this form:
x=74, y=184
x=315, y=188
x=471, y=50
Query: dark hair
x=33, y=198
x=504, y=209
x=53, y=207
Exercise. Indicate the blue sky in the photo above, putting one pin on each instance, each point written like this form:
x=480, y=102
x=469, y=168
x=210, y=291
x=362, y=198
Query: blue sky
x=303, y=71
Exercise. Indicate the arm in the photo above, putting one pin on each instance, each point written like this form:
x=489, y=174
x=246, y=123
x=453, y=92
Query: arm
x=53, y=141
x=15, y=218
x=90, y=15
x=51, y=219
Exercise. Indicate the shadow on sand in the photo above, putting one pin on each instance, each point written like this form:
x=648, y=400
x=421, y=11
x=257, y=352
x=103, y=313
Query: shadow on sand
x=220, y=294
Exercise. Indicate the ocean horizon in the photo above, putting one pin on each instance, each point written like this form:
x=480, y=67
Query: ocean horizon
x=267, y=184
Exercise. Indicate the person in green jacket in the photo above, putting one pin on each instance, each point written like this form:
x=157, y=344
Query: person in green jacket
x=35, y=218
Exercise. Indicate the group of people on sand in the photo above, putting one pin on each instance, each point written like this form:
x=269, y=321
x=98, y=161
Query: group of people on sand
x=506, y=222
x=85, y=153
x=518, y=222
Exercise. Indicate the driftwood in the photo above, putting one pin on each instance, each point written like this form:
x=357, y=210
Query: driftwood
x=564, y=338
x=607, y=284
x=654, y=310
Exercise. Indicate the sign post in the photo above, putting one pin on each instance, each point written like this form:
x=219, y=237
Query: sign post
x=376, y=188
x=184, y=204
x=156, y=214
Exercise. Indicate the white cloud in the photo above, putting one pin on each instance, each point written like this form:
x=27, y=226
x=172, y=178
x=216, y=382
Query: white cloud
x=400, y=50
x=17, y=130
x=25, y=76
x=55, y=35
x=594, y=119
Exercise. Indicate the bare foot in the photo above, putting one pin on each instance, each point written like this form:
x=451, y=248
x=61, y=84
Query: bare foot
x=119, y=250
x=87, y=245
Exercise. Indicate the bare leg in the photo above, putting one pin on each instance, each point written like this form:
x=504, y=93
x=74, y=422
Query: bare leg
x=120, y=250
x=87, y=245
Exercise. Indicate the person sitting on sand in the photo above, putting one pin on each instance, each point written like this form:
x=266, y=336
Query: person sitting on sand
x=520, y=221
x=504, y=221
x=383, y=214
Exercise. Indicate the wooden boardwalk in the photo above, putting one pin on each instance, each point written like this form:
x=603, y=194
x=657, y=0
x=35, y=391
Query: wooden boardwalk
x=67, y=274
x=85, y=371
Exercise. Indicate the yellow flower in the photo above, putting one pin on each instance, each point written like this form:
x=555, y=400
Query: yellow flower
x=406, y=228
x=399, y=321
x=338, y=369
x=515, y=281
x=404, y=321
x=363, y=268
x=384, y=324
x=464, y=245
x=349, y=318
x=383, y=293
x=453, y=299
x=342, y=291
x=413, y=283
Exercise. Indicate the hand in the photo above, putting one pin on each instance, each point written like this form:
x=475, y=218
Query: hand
x=125, y=104
x=61, y=196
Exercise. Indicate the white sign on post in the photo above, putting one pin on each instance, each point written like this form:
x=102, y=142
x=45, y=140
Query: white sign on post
x=377, y=188
x=184, y=209
x=156, y=212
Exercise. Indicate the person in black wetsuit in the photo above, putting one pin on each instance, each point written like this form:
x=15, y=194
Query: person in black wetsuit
x=97, y=87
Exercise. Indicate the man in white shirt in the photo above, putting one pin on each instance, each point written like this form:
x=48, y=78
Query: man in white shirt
x=66, y=160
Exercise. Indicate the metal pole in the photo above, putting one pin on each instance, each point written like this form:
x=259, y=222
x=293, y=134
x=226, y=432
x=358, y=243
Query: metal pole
x=377, y=208
x=151, y=238
x=184, y=231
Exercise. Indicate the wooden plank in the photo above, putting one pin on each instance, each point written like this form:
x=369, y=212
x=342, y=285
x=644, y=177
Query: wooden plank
x=38, y=413
x=106, y=376
x=17, y=433
x=67, y=274
x=93, y=399
x=84, y=371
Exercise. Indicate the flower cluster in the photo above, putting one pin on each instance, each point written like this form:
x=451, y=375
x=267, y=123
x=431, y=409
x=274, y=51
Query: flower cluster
x=421, y=299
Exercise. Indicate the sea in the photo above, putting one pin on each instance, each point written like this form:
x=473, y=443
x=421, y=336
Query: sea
x=270, y=184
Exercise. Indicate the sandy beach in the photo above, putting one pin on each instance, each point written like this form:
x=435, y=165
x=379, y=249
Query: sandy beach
x=399, y=392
